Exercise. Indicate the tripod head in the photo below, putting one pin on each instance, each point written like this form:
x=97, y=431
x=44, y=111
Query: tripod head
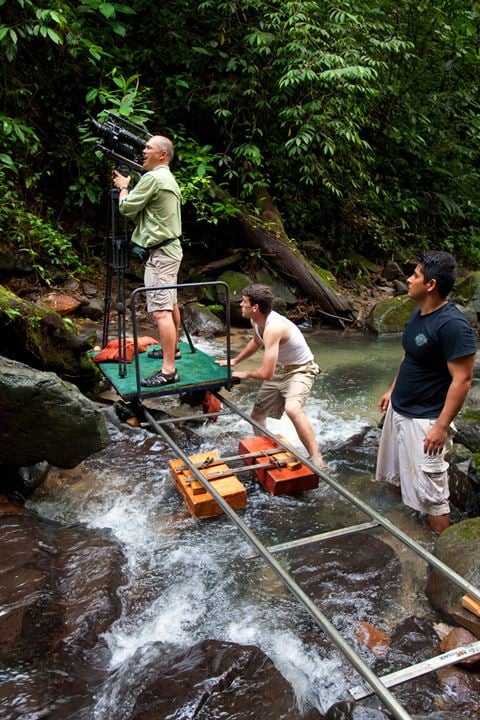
x=122, y=143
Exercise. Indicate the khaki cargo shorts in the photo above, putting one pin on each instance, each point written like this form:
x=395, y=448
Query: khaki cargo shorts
x=290, y=382
x=160, y=269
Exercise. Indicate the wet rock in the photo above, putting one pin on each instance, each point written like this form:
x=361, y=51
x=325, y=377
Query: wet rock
x=40, y=338
x=459, y=548
x=364, y=568
x=457, y=638
x=19, y=483
x=393, y=271
x=373, y=638
x=463, y=494
x=360, y=451
x=353, y=711
x=460, y=690
x=92, y=308
x=209, y=681
x=59, y=588
x=63, y=304
x=199, y=320
x=67, y=425
x=390, y=315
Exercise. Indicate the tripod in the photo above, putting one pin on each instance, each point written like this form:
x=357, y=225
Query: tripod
x=116, y=261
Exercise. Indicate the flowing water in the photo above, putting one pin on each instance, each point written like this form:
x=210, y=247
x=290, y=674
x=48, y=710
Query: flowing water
x=188, y=580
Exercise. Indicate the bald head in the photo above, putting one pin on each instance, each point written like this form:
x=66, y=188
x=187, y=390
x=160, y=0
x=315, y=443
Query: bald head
x=163, y=144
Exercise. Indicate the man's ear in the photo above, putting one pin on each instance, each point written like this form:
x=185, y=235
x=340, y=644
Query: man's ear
x=431, y=285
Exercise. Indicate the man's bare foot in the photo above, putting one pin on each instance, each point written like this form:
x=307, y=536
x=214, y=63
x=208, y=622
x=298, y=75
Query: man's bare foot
x=317, y=459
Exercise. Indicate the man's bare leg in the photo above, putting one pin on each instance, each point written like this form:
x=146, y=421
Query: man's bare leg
x=167, y=334
x=438, y=523
x=260, y=419
x=176, y=322
x=305, y=432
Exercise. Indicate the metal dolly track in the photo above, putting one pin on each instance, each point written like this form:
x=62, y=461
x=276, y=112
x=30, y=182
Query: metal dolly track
x=372, y=683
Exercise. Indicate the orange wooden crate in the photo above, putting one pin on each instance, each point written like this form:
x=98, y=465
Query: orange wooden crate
x=278, y=481
x=199, y=501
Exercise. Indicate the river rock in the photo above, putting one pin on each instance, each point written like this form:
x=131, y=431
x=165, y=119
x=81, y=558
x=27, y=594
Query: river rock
x=40, y=338
x=59, y=588
x=390, y=315
x=459, y=548
x=199, y=320
x=45, y=418
x=208, y=681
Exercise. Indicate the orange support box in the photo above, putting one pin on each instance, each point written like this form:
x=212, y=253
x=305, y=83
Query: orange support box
x=200, y=502
x=288, y=478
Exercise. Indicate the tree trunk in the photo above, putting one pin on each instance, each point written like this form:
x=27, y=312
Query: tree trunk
x=266, y=232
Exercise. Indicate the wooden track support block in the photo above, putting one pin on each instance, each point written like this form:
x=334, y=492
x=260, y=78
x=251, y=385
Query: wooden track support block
x=470, y=603
x=199, y=501
x=290, y=477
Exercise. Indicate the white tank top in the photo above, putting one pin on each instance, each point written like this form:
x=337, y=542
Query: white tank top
x=293, y=351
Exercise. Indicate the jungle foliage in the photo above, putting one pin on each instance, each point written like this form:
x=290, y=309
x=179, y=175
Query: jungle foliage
x=360, y=117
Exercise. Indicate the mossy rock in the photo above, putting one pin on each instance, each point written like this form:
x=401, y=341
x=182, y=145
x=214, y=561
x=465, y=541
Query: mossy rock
x=41, y=339
x=390, y=315
x=236, y=282
x=467, y=290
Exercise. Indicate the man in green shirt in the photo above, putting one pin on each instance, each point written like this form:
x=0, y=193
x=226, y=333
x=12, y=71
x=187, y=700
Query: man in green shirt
x=154, y=205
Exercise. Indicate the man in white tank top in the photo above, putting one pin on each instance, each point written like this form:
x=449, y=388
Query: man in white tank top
x=288, y=369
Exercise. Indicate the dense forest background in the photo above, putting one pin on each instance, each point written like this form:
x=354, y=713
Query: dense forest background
x=354, y=122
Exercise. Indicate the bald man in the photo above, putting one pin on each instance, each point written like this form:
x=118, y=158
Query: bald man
x=154, y=204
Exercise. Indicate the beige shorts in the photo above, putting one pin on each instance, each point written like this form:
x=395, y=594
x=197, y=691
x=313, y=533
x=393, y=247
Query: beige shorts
x=401, y=461
x=292, y=384
x=160, y=269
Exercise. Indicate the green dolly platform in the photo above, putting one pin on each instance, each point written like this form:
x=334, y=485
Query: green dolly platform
x=197, y=371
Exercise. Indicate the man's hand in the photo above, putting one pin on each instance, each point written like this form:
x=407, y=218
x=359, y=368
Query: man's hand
x=434, y=440
x=384, y=402
x=223, y=363
x=241, y=374
x=120, y=181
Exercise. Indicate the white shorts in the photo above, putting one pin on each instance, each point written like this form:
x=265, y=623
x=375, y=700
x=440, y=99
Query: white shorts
x=423, y=479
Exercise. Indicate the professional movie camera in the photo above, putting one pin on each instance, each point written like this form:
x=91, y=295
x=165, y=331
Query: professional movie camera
x=124, y=142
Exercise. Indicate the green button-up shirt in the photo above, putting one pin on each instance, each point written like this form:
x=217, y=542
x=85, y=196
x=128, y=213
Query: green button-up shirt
x=154, y=205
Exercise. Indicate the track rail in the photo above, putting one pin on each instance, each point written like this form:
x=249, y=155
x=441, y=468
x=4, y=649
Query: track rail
x=371, y=682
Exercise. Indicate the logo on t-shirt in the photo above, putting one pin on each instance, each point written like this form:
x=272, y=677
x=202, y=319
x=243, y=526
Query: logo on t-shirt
x=420, y=340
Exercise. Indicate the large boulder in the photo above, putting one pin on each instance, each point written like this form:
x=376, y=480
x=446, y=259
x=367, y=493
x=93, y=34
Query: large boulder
x=390, y=315
x=59, y=588
x=459, y=548
x=45, y=418
x=40, y=338
x=212, y=679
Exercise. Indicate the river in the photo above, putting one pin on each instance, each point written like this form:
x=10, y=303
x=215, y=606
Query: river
x=188, y=580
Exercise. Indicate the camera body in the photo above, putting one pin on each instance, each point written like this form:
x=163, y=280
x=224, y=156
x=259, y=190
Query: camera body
x=124, y=142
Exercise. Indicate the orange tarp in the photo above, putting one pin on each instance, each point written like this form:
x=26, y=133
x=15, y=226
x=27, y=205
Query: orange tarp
x=111, y=351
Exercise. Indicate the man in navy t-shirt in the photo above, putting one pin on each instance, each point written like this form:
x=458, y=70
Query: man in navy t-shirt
x=430, y=388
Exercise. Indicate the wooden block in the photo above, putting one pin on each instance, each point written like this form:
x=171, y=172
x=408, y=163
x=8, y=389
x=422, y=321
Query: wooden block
x=471, y=604
x=291, y=477
x=200, y=502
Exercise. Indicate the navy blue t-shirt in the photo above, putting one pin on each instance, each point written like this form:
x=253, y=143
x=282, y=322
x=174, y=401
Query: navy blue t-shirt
x=430, y=341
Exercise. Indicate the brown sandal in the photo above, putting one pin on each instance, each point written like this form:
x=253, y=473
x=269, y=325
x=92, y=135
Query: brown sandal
x=157, y=354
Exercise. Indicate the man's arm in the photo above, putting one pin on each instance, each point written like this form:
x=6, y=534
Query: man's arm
x=461, y=370
x=138, y=197
x=250, y=349
x=385, y=399
x=271, y=340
